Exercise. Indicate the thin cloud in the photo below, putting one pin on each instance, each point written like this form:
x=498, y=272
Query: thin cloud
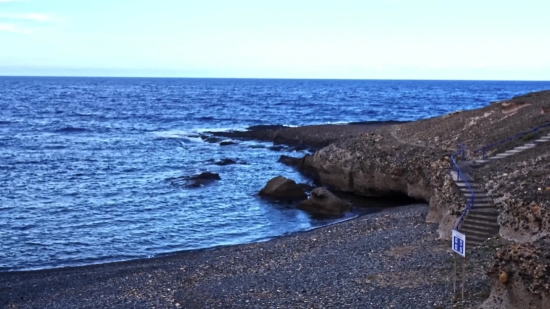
x=14, y=28
x=38, y=17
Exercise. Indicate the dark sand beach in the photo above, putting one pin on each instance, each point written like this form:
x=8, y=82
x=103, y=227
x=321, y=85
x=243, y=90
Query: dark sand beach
x=389, y=259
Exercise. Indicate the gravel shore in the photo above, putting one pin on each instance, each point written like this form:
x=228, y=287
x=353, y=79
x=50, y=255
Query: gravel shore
x=389, y=259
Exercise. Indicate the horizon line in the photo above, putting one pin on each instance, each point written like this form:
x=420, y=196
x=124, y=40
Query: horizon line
x=277, y=78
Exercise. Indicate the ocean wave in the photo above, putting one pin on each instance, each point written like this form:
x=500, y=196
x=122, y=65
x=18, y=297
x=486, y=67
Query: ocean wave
x=185, y=136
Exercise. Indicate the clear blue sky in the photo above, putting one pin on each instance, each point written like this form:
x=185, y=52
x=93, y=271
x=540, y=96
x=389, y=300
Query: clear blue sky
x=410, y=39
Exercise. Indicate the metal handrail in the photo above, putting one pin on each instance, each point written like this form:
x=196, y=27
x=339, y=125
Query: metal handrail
x=461, y=151
x=484, y=148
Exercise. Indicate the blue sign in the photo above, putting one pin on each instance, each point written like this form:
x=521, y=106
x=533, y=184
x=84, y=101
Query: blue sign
x=459, y=243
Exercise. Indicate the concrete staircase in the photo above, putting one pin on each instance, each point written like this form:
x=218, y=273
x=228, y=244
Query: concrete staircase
x=480, y=222
x=511, y=152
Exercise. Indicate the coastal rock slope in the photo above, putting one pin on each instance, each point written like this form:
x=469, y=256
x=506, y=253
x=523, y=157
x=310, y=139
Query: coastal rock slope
x=413, y=159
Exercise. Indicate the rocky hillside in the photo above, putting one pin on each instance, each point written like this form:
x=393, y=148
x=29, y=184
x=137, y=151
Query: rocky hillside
x=413, y=159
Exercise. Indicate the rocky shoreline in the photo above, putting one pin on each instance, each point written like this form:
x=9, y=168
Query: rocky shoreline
x=397, y=258
x=412, y=159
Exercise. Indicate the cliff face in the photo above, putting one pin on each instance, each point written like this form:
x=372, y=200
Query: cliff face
x=375, y=164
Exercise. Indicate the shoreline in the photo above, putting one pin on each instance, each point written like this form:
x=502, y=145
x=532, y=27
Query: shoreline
x=376, y=263
x=310, y=135
x=184, y=252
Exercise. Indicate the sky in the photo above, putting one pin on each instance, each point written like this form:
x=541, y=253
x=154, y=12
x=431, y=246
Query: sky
x=363, y=39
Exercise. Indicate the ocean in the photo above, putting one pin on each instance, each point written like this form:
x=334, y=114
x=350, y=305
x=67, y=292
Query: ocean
x=86, y=163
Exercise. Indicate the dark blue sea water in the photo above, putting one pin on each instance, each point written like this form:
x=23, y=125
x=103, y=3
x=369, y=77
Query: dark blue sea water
x=84, y=162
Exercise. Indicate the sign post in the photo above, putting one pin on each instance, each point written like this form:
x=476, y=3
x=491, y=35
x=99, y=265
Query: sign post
x=458, y=244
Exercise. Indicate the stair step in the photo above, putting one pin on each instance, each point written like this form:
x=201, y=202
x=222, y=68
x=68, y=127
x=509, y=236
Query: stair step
x=461, y=183
x=480, y=201
x=472, y=234
x=475, y=190
x=523, y=147
x=457, y=178
x=482, y=161
x=480, y=229
x=542, y=140
x=492, y=217
x=484, y=211
x=478, y=197
x=483, y=206
x=530, y=144
x=504, y=154
x=477, y=235
x=513, y=151
x=481, y=225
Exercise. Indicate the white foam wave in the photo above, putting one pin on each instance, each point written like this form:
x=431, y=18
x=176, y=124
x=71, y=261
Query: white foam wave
x=178, y=134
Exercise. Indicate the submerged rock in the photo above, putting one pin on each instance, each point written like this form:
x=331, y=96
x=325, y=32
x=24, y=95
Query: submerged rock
x=226, y=161
x=227, y=143
x=323, y=202
x=195, y=181
x=283, y=188
x=277, y=147
x=211, y=139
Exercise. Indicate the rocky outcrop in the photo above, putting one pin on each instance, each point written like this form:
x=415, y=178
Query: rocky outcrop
x=282, y=188
x=323, y=202
x=315, y=136
x=413, y=159
x=520, y=273
x=375, y=164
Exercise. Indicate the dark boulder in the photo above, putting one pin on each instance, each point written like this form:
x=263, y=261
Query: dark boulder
x=283, y=189
x=323, y=202
x=256, y=146
x=227, y=143
x=195, y=181
x=291, y=161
